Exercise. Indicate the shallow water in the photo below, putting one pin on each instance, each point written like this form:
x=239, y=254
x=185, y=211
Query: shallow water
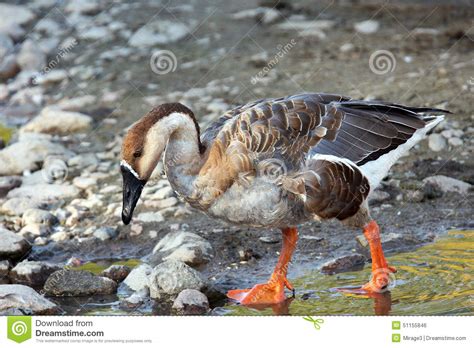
x=436, y=279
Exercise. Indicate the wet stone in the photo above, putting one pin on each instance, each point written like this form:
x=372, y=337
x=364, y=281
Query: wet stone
x=78, y=283
x=191, y=302
x=12, y=246
x=344, y=264
x=444, y=184
x=136, y=299
x=186, y=247
x=32, y=273
x=138, y=277
x=116, y=272
x=25, y=300
x=4, y=270
x=7, y=183
x=105, y=233
x=17, y=206
x=39, y=216
x=172, y=277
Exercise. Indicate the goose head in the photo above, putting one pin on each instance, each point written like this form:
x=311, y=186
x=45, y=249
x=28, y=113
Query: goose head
x=143, y=146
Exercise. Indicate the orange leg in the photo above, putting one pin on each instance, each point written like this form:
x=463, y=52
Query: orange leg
x=380, y=268
x=274, y=290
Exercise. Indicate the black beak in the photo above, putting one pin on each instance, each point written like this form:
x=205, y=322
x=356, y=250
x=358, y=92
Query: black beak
x=132, y=189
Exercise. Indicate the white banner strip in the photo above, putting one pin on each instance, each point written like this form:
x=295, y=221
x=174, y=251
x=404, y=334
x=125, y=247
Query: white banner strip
x=212, y=331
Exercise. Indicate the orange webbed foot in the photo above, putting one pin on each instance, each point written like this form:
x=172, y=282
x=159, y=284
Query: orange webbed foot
x=269, y=293
x=379, y=283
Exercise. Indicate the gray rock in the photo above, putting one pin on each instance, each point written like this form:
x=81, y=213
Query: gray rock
x=150, y=217
x=26, y=300
x=13, y=30
x=414, y=196
x=367, y=27
x=7, y=183
x=8, y=67
x=32, y=231
x=172, y=277
x=45, y=192
x=53, y=120
x=87, y=7
x=60, y=236
x=159, y=33
x=78, y=283
x=39, y=216
x=344, y=264
x=47, y=26
x=15, y=14
x=31, y=57
x=138, y=277
x=455, y=141
x=183, y=246
x=378, y=197
x=446, y=184
x=32, y=151
x=6, y=46
x=96, y=33
x=136, y=299
x=436, y=142
x=4, y=271
x=84, y=182
x=12, y=246
x=116, y=272
x=265, y=15
x=105, y=233
x=32, y=273
x=84, y=160
x=52, y=77
x=17, y=206
x=347, y=47
x=77, y=103
x=191, y=302
x=162, y=193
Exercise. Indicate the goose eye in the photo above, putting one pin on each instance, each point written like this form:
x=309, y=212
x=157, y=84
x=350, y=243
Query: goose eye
x=137, y=154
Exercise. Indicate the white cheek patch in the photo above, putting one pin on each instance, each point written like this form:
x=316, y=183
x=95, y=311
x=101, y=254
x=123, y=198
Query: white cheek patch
x=129, y=167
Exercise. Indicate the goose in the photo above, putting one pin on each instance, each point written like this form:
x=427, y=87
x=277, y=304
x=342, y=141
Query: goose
x=277, y=163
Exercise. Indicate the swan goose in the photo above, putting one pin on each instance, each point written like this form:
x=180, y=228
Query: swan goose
x=278, y=163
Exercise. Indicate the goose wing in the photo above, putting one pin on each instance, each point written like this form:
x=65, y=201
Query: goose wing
x=295, y=127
